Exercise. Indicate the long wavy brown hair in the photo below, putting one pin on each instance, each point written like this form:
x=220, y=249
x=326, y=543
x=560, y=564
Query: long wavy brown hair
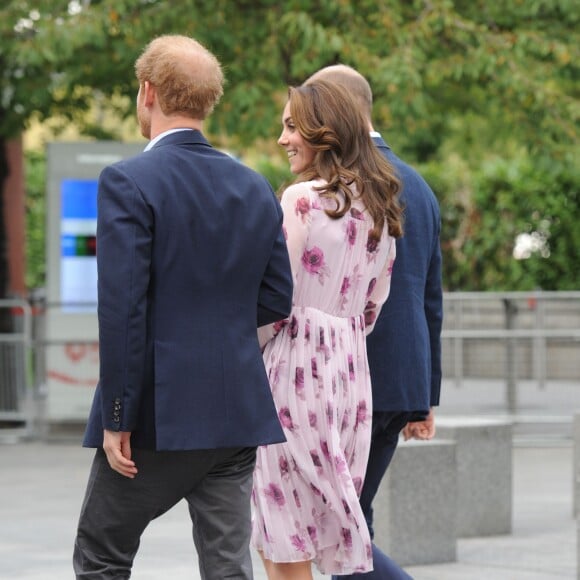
x=329, y=120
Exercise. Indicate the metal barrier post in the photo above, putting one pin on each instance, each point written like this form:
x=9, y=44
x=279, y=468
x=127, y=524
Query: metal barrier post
x=14, y=350
x=540, y=343
x=511, y=311
x=458, y=344
x=40, y=391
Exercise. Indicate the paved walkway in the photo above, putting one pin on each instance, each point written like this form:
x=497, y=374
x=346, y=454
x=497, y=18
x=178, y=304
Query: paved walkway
x=41, y=489
x=42, y=484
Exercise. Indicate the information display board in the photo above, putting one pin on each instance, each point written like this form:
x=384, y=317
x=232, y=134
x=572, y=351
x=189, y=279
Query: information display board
x=72, y=363
x=78, y=263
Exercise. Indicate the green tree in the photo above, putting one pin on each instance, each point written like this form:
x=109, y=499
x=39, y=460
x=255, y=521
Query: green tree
x=35, y=167
x=458, y=85
x=517, y=207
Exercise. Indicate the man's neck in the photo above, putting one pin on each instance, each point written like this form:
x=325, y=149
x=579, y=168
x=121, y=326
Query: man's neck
x=175, y=122
x=161, y=136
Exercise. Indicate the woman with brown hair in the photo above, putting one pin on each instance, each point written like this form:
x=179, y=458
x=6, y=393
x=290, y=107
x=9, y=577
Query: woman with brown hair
x=341, y=218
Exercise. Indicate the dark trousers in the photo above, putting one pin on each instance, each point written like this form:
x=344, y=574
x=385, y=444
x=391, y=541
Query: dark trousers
x=216, y=484
x=386, y=428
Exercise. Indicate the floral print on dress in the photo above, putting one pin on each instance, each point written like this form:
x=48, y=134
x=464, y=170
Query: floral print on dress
x=370, y=313
x=293, y=327
x=344, y=288
x=299, y=383
x=351, y=232
x=361, y=415
x=275, y=372
x=356, y=214
x=348, y=286
x=371, y=287
x=286, y=418
x=313, y=262
x=372, y=247
x=322, y=347
x=298, y=543
x=306, y=489
x=302, y=208
x=275, y=495
x=284, y=466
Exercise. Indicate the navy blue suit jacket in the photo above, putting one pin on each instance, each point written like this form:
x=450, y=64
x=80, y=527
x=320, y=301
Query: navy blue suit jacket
x=191, y=258
x=404, y=349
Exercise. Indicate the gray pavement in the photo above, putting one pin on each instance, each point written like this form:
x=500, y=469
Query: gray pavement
x=42, y=483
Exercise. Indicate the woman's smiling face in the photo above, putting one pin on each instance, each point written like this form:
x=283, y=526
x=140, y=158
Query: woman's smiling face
x=300, y=153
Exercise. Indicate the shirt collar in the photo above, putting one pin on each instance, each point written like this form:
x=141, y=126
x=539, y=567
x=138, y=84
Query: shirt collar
x=154, y=141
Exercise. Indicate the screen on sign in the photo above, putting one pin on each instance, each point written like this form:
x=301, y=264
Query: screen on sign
x=78, y=265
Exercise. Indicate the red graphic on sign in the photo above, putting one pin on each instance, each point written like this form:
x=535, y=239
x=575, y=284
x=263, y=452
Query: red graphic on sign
x=79, y=357
x=70, y=380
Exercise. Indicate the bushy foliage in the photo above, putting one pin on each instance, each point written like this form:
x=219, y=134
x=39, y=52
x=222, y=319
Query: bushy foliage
x=481, y=95
x=509, y=224
x=35, y=169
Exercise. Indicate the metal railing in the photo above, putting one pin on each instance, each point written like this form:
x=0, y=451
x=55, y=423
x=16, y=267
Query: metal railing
x=15, y=359
x=512, y=337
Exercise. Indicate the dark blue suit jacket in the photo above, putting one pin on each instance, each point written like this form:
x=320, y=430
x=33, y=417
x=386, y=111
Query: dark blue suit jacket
x=191, y=259
x=404, y=349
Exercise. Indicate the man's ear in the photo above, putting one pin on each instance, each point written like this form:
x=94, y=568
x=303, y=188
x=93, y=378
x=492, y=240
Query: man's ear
x=149, y=94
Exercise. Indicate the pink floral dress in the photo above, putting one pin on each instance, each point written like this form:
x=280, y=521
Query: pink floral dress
x=305, y=496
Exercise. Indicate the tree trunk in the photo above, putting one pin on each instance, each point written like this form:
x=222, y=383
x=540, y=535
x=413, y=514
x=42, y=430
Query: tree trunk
x=5, y=319
x=8, y=384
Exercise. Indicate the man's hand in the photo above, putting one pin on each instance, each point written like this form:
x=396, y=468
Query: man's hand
x=420, y=429
x=117, y=447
